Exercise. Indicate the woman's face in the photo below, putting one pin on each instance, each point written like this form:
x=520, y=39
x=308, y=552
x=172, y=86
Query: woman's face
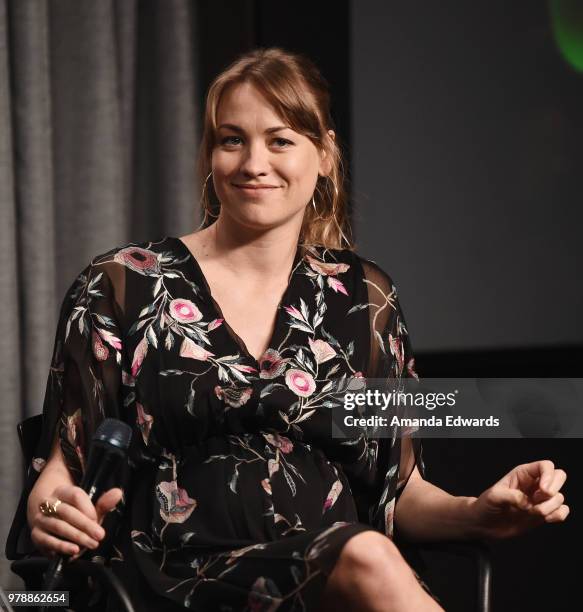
x=264, y=173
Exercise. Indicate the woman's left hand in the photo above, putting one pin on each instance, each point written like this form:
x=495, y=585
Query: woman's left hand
x=526, y=497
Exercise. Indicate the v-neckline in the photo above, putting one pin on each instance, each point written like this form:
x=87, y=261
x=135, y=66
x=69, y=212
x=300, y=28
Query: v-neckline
x=218, y=310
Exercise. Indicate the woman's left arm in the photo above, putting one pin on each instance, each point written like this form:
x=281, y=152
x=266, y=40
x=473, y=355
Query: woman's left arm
x=529, y=495
x=426, y=513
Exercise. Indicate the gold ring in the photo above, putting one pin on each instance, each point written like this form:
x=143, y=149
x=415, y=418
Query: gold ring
x=49, y=508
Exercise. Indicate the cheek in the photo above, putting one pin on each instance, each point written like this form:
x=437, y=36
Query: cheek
x=300, y=173
x=222, y=164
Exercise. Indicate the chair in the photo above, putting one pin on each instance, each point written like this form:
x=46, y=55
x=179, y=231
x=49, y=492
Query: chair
x=31, y=569
x=475, y=551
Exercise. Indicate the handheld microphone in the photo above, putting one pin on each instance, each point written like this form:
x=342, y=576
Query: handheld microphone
x=109, y=448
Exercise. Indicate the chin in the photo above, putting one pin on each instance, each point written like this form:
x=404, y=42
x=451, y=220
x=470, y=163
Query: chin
x=259, y=218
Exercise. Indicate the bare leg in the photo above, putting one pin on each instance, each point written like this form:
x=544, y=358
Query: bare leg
x=371, y=575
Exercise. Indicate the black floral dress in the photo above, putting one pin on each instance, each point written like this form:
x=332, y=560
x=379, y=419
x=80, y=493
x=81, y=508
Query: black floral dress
x=238, y=496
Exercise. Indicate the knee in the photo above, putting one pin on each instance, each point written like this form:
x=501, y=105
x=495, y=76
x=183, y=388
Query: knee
x=369, y=553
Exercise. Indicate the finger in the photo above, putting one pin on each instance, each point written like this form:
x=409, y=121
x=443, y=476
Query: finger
x=547, y=471
x=108, y=501
x=549, y=506
x=538, y=469
x=560, y=514
x=513, y=497
x=75, y=496
x=52, y=545
x=66, y=531
x=557, y=481
x=80, y=521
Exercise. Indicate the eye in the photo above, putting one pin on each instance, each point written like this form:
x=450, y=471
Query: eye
x=228, y=138
x=283, y=142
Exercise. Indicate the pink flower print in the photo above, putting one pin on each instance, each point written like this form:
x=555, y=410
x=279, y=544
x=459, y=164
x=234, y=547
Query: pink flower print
x=264, y=596
x=336, y=285
x=145, y=422
x=127, y=379
x=244, y=368
x=234, y=396
x=271, y=363
x=327, y=269
x=396, y=345
x=284, y=444
x=411, y=368
x=332, y=496
x=294, y=312
x=140, y=260
x=191, y=350
x=322, y=350
x=110, y=338
x=300, y=382
x=100, y=351
x=184, y=311
x=139, y=356
x=214, y=324
x=266, y=485
x=175, y=505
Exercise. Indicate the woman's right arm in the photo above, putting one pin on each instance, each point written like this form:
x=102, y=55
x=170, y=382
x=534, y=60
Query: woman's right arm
x=84, y=386
x=77, y=524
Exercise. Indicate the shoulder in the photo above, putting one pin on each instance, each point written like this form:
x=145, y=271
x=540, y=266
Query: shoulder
x=376, y=276
x=142, y=257
x=108, y=269
x=334, y=261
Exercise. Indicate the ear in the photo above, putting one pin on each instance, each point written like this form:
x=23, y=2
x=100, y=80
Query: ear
x=325, y=163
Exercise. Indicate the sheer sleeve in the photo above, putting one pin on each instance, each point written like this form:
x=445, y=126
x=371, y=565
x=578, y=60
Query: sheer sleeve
x=390, y=357
x=84, y=383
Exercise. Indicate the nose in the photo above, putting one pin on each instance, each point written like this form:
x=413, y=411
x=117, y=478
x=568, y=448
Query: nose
x=254, y=160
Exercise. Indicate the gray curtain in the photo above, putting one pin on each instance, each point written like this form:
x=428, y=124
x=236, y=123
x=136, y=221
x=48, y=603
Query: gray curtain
x=99, y=128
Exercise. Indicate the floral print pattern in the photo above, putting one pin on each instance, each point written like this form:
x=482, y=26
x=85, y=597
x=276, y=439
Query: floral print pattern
x=240, y=498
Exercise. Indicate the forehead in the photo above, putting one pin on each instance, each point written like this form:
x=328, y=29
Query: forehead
x=244, y=105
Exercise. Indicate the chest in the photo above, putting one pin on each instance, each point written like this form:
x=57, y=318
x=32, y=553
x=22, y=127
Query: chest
x=250, y=312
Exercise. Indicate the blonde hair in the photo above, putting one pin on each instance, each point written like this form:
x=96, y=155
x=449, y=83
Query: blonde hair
x=293, y=85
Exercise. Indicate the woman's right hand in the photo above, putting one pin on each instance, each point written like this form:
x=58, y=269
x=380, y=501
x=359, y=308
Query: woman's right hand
x=77, y=524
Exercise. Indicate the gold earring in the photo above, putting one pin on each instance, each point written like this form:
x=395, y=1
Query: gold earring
x=319, y=217
x=333, y=183
x=202, y=201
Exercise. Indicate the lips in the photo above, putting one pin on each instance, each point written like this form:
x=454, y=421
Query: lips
x=255, y=187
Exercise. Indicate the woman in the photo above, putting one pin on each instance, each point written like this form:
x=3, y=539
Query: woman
x=220, y=348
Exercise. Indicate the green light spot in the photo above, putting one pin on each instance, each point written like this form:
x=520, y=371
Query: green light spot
x=567, y=23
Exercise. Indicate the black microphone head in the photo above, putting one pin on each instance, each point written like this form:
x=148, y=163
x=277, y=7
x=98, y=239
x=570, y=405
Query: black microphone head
x=114, y=432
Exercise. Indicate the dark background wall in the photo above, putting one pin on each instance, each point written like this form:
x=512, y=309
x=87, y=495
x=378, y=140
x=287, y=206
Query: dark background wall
x=462, y=131
x=468, y=184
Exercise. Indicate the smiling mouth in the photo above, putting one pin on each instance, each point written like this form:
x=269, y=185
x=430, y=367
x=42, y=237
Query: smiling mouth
x=255, y=187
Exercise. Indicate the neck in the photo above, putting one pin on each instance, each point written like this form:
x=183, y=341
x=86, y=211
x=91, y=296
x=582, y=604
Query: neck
x=253, y=255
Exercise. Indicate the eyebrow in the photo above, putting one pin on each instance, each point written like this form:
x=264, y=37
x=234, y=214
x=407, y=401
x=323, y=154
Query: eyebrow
x=270, y=130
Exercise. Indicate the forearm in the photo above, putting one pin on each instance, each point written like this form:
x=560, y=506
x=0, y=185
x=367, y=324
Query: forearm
x=425, y=512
